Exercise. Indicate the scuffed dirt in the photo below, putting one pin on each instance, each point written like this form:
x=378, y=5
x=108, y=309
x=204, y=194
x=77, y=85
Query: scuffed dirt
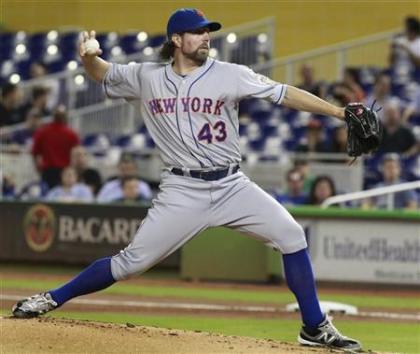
x=48, y=335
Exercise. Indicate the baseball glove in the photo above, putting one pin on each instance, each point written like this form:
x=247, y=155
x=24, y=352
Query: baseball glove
x=364, y=130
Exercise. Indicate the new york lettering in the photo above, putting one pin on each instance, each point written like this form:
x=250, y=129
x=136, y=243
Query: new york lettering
x=187, y=104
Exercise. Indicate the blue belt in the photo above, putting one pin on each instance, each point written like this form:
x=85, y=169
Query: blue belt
x=213, y=175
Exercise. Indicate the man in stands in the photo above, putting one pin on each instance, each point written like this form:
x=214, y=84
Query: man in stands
x=79, y=160
x=70, y=190
x=308, y=83
x=51, y=147
x=10, y=105
x=37, y=71
x=39, y=101
x=397, y=137
x=112, y=190
x=391, y=172
x=381, y=94
x=295, y=194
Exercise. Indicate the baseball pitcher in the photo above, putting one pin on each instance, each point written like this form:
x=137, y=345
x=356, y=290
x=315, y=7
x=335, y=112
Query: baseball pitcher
x=190, y=107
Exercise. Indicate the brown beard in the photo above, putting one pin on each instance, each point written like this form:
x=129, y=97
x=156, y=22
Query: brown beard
x=199, y=56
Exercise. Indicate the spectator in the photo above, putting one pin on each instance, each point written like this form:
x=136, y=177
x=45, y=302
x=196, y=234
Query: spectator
x=396, y=137
x=303, y=167
x=294, y=194
x=38, y=102
x=112, y=190
x=24, y=137
x=405, y=51
x=79, y=160
x=10, y=105
x=313, y=141
x=38, y=70
x=349, y=90
x=51, y=147
x=322, y=188
x=391, y=173
x=130, y=189
x=381, y=94
x=70, y=190
x=308, y=82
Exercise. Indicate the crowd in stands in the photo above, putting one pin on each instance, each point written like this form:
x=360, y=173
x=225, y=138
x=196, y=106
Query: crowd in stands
x=63, y=163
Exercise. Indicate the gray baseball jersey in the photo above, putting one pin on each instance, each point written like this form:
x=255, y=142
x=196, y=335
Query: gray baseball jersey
x=194, y=119
x=194, y=123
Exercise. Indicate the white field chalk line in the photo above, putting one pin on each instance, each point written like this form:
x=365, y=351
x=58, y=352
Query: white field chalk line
x=213, y=307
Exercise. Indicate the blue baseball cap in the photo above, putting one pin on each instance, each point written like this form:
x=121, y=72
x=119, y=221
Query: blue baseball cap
x=184, y=20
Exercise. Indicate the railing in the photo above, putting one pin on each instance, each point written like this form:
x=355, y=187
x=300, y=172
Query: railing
x=330, y=61
x=17, y=163
x=389, y=190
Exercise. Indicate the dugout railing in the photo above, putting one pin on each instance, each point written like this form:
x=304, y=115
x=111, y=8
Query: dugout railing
x=389, y=191
x=330, y=61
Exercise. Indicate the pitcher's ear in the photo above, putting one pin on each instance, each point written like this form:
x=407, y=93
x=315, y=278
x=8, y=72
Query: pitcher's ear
x=176, y=40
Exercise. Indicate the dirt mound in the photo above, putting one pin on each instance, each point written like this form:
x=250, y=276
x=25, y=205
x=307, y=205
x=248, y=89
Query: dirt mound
x=48, y=335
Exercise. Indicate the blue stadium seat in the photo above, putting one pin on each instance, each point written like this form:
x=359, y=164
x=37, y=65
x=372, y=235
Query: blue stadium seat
x=257, y=145
x=23, y=69
x=68, y=45
x=122, y=141
x=6, y=45
x=107, y=41
x=57, y=65
x=408, y=165
x=130, y=44
x=157, y=40
x=372, y=173
x=242, y=129
x=37, y=44
x=269, y=130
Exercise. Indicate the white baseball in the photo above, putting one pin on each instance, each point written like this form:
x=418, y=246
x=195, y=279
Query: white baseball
x=91, y=46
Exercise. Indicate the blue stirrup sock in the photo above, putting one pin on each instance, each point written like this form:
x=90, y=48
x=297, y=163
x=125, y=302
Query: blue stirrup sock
x=96, y=277
x=300, y=279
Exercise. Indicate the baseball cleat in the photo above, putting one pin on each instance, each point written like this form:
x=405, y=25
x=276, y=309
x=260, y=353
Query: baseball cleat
x=327, y=335
x=34, y=306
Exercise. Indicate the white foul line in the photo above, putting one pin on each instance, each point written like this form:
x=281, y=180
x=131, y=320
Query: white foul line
x=212, y=307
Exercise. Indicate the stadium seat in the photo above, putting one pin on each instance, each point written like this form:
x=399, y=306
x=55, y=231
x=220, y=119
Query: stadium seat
x=130, y=43
x=157, y=40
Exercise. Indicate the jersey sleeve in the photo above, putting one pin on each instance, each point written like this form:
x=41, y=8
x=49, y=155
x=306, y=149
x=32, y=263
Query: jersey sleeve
x=123, y=81
x=251, y=84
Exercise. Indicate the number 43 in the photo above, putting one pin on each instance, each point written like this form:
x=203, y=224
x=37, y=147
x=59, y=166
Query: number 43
x=218, y=131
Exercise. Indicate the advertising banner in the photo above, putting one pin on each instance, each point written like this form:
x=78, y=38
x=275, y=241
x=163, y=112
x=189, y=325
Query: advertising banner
x=68, y=233
x=375, y=251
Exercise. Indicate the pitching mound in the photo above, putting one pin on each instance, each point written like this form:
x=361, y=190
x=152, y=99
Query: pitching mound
x=47, y=335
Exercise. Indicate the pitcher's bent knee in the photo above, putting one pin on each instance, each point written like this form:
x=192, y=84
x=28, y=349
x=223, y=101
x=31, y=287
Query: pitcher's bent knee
x=126, y=264
x=291, y=238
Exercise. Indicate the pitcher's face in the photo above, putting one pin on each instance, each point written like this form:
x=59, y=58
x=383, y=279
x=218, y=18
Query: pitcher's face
x=195, y=45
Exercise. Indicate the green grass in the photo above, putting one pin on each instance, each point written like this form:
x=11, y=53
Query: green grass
x=379, y=336
x=235, y=295
x=71, y=270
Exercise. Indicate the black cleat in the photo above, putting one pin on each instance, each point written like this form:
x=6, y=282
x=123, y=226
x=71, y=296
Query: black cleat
x=328, y=336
